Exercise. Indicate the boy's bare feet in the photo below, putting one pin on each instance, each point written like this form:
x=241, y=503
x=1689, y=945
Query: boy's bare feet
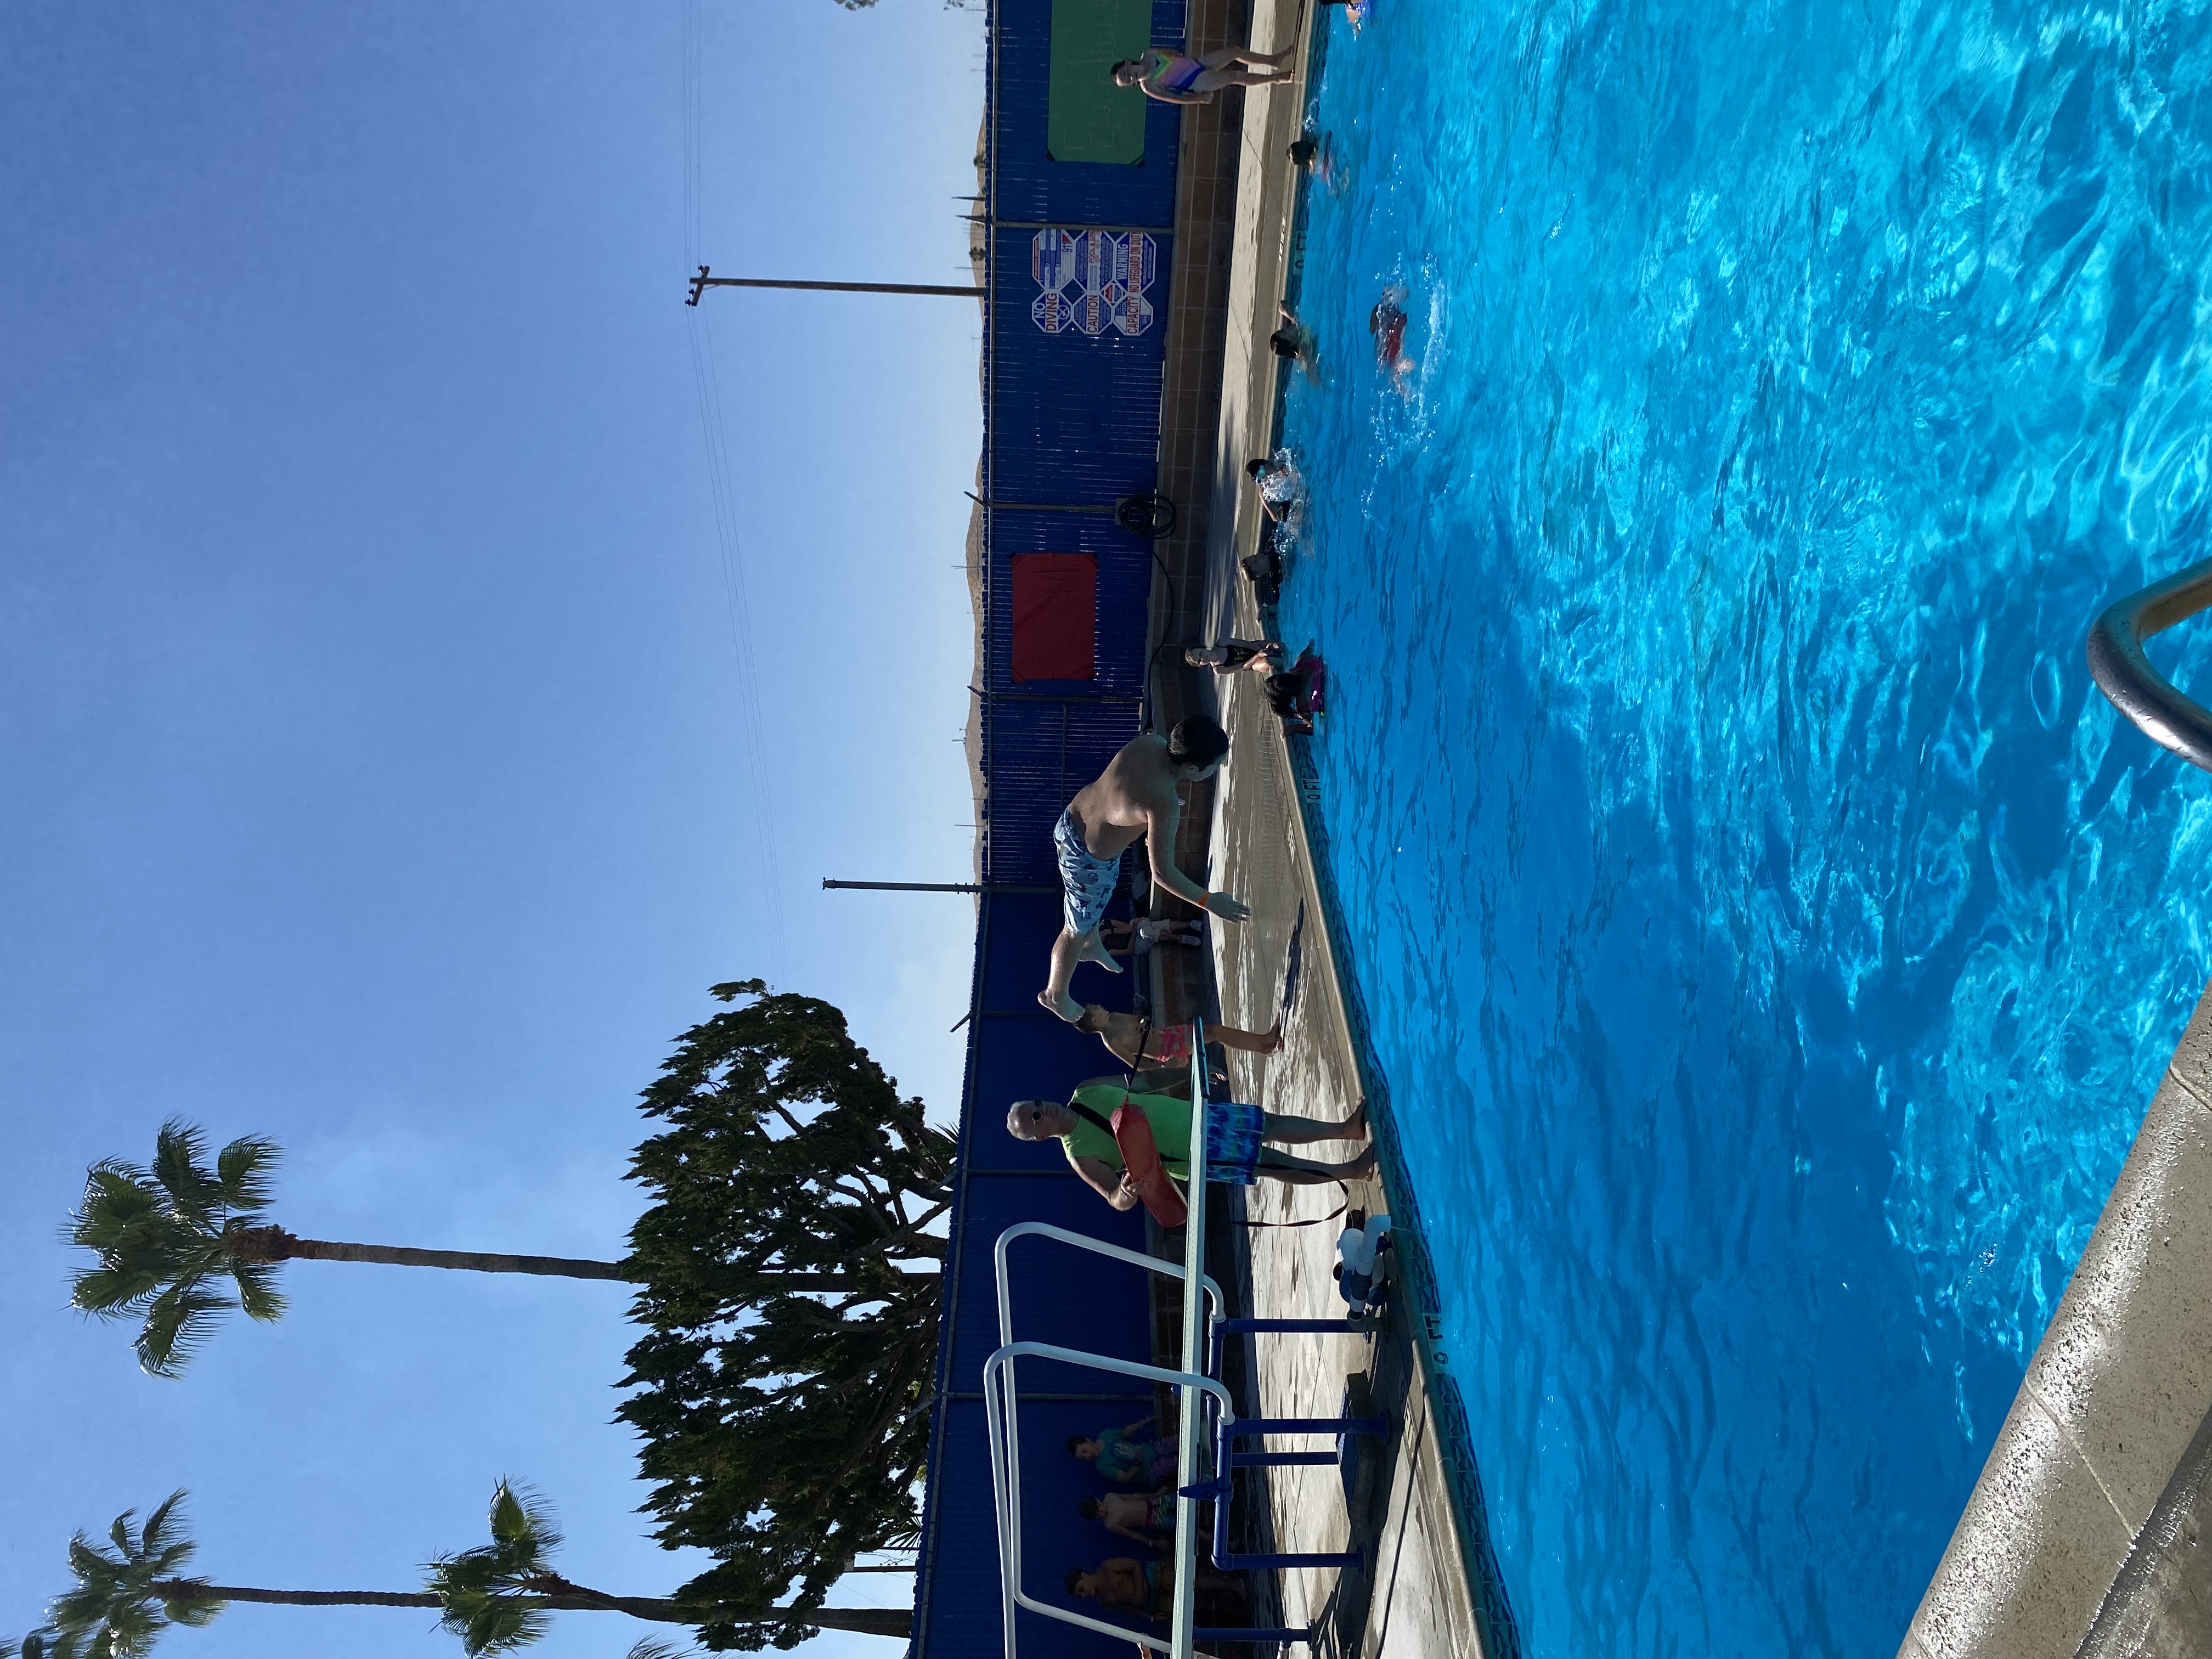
x=1091, y=948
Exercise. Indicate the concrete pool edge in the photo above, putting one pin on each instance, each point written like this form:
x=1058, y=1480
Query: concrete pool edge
x=1435, y=1468
x=2114, y=1397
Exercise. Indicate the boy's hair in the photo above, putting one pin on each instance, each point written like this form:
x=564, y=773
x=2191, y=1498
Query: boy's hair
x=1093, y=1018
x=1076, y=1442
x=1087, y=1508
x=1303, y=151
x=1254, y=468
x=1197, y=740
x=1074, y=1577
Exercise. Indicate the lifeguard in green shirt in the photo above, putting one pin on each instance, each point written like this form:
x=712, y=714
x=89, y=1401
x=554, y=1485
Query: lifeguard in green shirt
x=1235, y=1137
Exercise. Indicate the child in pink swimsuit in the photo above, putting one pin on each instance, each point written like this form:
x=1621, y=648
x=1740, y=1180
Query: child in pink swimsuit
x=1137, y=1042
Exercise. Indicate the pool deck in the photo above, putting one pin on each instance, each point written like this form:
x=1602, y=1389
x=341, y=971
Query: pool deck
x=2086, y=1532
x=1414, y=1600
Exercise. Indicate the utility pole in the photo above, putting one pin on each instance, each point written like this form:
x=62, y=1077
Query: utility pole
x=939, y=886
x=703, y=282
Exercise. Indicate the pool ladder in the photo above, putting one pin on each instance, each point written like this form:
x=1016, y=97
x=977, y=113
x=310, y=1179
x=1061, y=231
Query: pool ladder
x=2123, y=673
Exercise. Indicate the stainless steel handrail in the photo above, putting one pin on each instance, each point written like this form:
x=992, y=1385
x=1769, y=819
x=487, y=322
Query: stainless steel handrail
x=2156, y=706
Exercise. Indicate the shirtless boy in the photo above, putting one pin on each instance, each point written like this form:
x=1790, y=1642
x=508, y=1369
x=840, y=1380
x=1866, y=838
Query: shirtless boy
x=1136, y=795
x=1128, y=1585
x=1138, y=1516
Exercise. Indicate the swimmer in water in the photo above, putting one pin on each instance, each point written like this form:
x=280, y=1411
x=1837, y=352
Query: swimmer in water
x=1316, y=156
x=1295, y=695
x=1386, y=322
x=1295, y=341
x=1280, y=487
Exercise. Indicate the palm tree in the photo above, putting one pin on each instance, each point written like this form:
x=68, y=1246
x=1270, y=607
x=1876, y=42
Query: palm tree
x=168, y=1235
x=496, y=1596
x=126, y=1597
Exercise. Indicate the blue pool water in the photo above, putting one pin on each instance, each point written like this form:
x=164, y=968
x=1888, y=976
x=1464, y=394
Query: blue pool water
x=1770, y=941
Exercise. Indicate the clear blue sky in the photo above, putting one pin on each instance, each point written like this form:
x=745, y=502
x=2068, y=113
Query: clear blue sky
x=374, y=731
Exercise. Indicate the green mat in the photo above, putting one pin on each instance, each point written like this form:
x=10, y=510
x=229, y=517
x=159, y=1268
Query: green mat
x=1087, y=116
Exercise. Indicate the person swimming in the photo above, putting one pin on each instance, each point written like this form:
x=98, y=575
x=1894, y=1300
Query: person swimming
x=1386, y=322
x=1295, y=341
x=1299, y=693
x=1281, y=487
x=1175, y=77
x=1316, y=156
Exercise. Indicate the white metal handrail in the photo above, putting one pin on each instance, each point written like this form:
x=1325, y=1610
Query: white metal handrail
x=1188, y=1438
x=1150, y=1264
x=1002, y=1417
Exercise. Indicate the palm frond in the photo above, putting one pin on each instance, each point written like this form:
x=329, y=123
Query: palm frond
x=108, y=1292
x=257, y=1289
x=489, y=1624
x=117, y=1197
x=522, y=1521
x=179, y=1322
x=193, y=1614
x=181, y=1167
x=245, y=1172
x=486, y=1592
x=658, y=1647
x=164, y=1535
x=114, y=1610
x=91, y=1566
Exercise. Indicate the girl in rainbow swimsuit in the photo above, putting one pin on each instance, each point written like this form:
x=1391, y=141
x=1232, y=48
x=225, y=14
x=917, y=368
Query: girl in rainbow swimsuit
x=1175, y=78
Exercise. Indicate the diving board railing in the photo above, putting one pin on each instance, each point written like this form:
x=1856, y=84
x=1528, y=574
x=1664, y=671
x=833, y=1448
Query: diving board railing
x=1190, y=1422
x=2124, y=674
x=1000, y=1409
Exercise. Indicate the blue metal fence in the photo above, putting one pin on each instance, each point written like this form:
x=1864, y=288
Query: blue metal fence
x=1071, y=424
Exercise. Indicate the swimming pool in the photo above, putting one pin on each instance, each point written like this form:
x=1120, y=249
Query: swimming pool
x=1770, y=941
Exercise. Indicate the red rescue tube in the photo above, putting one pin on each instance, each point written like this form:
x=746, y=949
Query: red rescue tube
x=1148, y=1176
